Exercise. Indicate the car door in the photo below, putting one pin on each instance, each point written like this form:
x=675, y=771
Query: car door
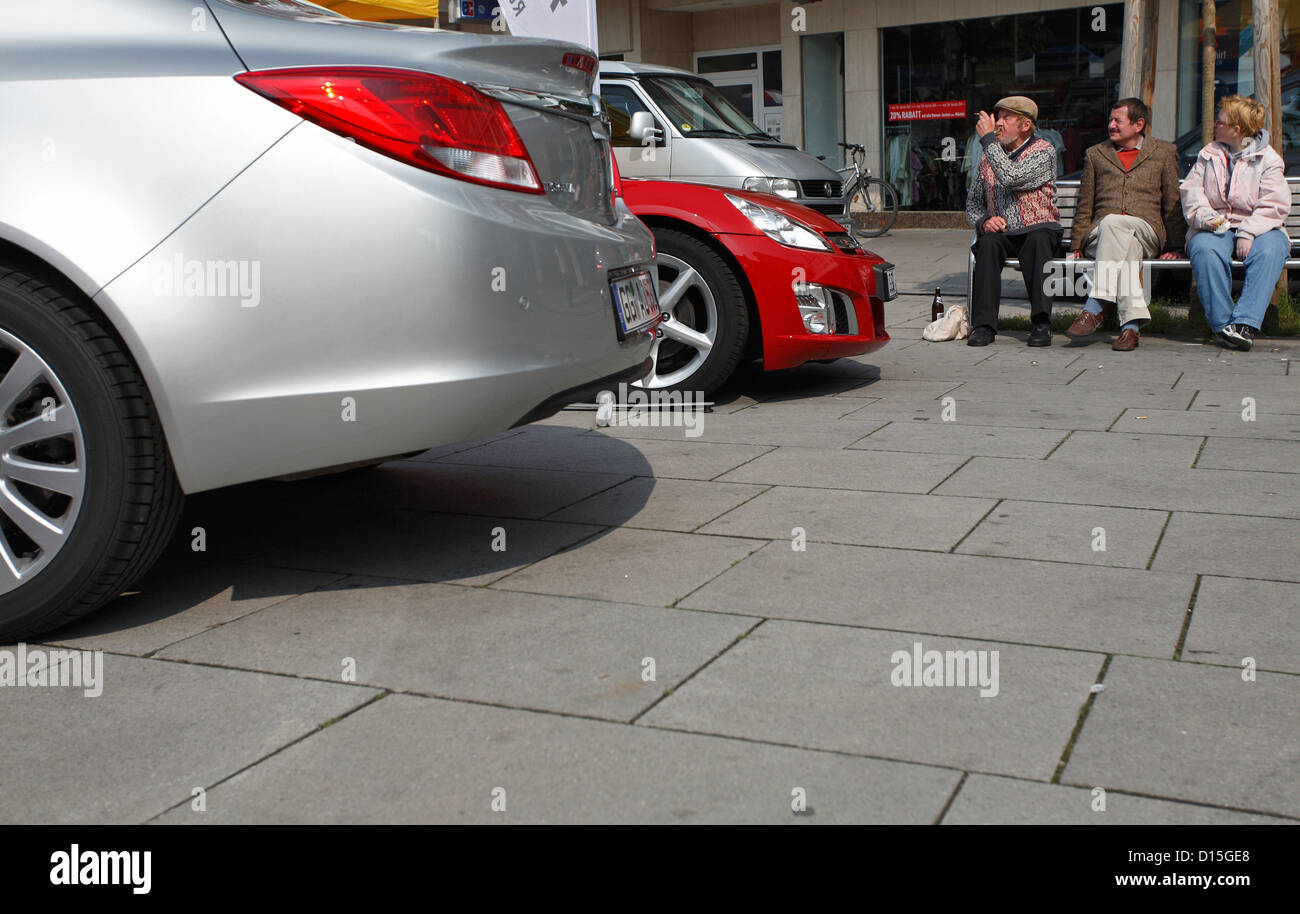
x=635, y=159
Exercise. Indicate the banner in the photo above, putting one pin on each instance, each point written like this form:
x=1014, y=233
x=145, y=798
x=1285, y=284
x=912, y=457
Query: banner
x=565, y=20
x=928, y=111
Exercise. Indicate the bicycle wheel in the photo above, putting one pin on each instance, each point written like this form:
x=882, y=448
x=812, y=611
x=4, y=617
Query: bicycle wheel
x=876, y=202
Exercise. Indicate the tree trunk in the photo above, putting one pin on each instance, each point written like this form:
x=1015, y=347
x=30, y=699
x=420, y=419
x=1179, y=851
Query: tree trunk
x=1268, y=83
x=1208, y=48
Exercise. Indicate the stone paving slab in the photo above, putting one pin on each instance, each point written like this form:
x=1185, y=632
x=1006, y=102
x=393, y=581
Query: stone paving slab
x=158, y=731
x=183, y=596
x=566, y=449
x=1124, y=486
x=1107, y=610
x=1193, y=732
x=959, y=439
x=1250, y=454
x=415, y=545
x=859, y=518
x=446, y=762
x=660, y=504
x=1236, y=546
x=1079, y=534
x=987, y=412
x=762, y=425
x=1270, y=402
x=1204, y=422
x=1235, y=619
x=766, y=688
x=1130, y=449
x=1262, y=384
x=629, y=566
x=894, y=390
x=491, y=491
x=846, y=469
x=991, y=800
x=1053, y=395
x=547, y=653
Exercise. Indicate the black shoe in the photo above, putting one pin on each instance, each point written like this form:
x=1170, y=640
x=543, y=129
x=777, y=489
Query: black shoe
x=1241, y=335
x=1041, y=335
x=980, y=336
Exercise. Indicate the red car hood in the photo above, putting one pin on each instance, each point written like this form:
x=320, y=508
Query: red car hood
x=706, y=201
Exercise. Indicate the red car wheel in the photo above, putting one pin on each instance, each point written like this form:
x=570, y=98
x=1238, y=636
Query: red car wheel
x=700, y=344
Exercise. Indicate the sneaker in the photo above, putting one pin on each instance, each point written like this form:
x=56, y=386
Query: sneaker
x=1041, y=335
x=1242, y=336
x=980, y=336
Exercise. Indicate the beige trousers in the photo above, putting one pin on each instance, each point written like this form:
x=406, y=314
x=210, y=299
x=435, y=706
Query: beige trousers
x=1119, y=244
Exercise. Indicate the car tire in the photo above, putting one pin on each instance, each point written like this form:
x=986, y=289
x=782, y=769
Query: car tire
x=701, y=343
x=86, y=506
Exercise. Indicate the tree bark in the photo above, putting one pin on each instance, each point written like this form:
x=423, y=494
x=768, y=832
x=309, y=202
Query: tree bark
x=1208, y=49
x=1268, y=83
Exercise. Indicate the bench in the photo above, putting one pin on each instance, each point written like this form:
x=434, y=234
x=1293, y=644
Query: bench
x=1067, y=194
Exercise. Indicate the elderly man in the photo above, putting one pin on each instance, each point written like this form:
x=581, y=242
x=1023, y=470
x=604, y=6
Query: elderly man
x=1012, y=205
x=1129, y=209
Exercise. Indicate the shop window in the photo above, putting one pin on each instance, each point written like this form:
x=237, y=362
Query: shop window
x=937, y=77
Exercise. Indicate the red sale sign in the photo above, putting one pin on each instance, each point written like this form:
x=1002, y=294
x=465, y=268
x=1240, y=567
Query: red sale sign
x=927, y=111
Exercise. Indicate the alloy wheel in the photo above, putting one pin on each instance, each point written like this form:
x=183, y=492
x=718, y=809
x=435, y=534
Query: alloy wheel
x=42, y=463
x=687, y=337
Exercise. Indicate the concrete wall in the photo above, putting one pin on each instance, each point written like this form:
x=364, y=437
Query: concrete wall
x=746, y=27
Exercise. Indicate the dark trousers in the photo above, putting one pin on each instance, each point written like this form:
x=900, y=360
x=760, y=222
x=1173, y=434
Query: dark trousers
x=1034, y=249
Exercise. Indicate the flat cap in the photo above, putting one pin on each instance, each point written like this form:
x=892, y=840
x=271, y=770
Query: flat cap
x=1018, y=104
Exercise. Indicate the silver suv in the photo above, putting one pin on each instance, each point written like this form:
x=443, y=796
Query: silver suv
x=673, y=125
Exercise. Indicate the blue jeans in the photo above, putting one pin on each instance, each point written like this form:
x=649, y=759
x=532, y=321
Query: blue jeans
x=1211, y=256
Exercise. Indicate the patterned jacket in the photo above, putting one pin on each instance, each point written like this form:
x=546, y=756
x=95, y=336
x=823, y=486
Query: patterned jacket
x=1019, y=186
x=1148, y=190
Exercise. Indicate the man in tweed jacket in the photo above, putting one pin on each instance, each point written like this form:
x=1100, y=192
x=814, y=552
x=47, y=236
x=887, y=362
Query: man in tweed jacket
x=1129, y=209
x=1012, y=205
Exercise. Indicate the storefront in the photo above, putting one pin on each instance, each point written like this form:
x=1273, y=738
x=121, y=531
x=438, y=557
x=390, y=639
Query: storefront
x=936, y=77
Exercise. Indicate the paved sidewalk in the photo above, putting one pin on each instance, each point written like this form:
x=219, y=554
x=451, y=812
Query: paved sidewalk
x=631, y=624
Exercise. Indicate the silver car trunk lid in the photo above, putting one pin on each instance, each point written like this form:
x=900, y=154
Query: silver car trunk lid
x=544, y=84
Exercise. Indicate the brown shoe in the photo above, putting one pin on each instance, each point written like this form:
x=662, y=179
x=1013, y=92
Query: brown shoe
x=1085, y=325
x=1127, y=342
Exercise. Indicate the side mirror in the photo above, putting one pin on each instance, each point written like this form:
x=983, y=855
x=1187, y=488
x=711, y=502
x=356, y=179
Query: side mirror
x=643, y=125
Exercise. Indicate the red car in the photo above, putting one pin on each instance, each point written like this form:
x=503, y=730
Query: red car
x=750, y=275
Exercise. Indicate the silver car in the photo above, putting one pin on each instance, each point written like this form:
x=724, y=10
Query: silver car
x=243, y=239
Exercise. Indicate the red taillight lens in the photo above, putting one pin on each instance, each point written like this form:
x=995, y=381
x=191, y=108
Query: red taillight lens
x=428, y=121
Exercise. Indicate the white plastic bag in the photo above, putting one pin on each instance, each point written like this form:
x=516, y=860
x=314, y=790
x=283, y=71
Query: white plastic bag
x=952, y=325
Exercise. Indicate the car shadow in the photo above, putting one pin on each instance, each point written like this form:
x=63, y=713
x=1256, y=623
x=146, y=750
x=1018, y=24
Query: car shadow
x=468, y=514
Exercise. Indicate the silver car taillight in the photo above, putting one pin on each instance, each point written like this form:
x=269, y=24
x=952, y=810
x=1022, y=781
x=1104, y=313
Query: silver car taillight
x=428, y=121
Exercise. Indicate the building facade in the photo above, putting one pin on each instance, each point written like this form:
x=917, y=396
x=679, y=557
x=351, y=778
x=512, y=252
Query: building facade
x=907, y=78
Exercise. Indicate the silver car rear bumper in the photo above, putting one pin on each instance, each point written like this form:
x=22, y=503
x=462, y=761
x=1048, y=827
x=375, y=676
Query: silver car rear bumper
x=358, y=341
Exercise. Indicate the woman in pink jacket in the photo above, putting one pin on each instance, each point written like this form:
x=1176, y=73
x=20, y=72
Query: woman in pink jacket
x=1236, y=200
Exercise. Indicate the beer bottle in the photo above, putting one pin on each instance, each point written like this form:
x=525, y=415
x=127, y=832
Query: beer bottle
x=936, y=306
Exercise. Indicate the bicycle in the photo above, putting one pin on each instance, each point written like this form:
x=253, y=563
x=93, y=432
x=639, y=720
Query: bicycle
x=872, y=198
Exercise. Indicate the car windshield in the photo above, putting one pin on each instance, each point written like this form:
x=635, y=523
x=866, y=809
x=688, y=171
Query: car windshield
x=697, y=108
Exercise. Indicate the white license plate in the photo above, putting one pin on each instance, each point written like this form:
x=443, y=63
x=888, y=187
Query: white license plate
x=636, y=303
x=886, y=289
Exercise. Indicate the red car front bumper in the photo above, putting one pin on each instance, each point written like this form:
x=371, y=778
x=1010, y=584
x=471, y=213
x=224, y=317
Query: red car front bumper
x=773, y=270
